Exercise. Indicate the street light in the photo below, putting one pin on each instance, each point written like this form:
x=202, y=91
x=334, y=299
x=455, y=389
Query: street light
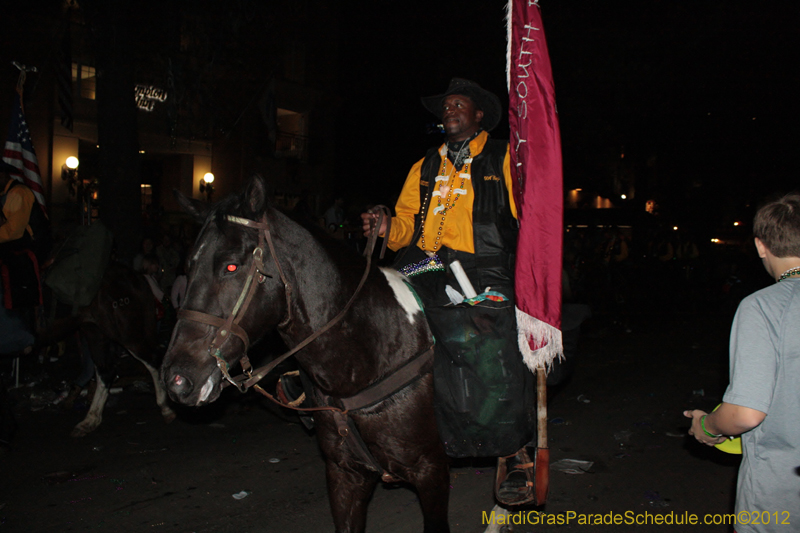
x=207, y=185
x=69, y=173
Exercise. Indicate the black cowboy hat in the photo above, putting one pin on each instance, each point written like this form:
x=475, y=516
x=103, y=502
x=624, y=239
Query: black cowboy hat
x=486, y=101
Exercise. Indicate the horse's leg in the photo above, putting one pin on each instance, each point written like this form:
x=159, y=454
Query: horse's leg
x=433, y=487
x=415, y=452
x=134, y=327
x=161, y=393
x=349, y=492
x=99, y=348
x=350, y=485
x=95, y=414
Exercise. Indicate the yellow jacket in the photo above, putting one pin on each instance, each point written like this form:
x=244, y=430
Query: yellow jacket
x=457, y=229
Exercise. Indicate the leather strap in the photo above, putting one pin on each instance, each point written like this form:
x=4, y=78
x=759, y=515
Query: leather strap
x=211, y=320
x=397, y=380
x=258, y=375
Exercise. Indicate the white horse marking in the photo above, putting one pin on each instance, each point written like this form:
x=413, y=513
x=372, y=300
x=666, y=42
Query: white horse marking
x=199, y=249
x=402, y=292
x=205, y=392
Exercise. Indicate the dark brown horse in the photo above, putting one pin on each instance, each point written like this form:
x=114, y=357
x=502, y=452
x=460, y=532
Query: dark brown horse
x=254, y=269
x=122, y=312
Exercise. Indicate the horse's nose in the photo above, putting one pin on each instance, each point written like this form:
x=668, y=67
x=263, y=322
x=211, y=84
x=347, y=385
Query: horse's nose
x=179, y=385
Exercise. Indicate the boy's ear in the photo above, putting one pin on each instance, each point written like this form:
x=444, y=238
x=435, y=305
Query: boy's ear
x=761, y=247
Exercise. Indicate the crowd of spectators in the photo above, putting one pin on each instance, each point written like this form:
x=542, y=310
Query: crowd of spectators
x=626, y=271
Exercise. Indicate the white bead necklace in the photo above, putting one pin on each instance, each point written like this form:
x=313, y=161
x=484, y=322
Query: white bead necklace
x=445, y=190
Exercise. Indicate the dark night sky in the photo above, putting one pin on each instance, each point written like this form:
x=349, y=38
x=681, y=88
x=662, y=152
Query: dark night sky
x=701, y=96
x=703, y=92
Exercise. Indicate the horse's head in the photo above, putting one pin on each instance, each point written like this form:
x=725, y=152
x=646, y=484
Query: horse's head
x=236, y=291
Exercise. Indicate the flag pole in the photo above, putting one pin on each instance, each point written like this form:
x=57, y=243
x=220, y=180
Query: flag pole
x=23, y=74
x=535, y=149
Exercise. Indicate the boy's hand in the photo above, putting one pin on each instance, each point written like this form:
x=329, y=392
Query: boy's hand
x=697, y=429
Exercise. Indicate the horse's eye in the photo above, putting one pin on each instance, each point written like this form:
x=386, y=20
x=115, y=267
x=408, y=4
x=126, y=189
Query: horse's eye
x=232, y=268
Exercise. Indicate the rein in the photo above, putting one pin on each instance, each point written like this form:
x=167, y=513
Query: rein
x=229, y=326
x=374, y=393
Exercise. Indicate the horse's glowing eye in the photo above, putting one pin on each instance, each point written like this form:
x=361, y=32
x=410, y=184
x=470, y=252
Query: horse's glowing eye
x=232, y=268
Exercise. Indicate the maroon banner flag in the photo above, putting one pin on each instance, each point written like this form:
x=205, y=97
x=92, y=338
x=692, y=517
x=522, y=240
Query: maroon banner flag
x=19, y=153
x=535, y=146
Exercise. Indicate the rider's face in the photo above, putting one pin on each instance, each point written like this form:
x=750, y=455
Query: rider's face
x=460, y=117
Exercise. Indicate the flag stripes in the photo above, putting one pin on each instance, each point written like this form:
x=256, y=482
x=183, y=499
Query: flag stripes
x=19, y=153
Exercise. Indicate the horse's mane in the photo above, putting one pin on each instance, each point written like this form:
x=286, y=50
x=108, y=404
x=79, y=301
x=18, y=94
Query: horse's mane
x=239, y=205
x=234, y=204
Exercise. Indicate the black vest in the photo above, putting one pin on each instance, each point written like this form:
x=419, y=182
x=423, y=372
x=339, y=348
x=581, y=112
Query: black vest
x=494, y=228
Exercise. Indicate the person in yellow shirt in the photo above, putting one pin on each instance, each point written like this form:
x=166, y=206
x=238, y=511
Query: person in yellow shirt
x=457, y=202
x=17, y=203
x=457, y=205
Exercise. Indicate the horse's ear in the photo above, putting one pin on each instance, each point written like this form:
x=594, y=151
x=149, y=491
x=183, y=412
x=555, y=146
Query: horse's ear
x=197, y=209
x=256, y=195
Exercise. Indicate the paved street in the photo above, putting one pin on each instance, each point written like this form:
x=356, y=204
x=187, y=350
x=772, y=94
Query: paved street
x=621, y=411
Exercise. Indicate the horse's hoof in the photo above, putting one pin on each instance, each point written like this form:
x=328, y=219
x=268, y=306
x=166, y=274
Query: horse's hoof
x=79, y=431
x=169, y=415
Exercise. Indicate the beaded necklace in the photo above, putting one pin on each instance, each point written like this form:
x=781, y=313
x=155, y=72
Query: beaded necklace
x=791, y=272
x=445, y=189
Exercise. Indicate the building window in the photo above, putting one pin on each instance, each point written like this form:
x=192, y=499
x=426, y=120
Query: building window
x=292, y=139
x=147, y=197
x=85, y=79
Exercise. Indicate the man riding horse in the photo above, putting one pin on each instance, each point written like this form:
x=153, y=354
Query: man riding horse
x=457, y=205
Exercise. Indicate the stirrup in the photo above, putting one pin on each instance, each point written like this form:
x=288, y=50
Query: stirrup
x=289, y=390
x=514, y=482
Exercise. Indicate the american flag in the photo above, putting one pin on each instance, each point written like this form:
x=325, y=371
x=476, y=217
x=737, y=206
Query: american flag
x=19, y=153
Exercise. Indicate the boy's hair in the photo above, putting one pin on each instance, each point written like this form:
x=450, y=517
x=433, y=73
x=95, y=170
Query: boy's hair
x=777, y=225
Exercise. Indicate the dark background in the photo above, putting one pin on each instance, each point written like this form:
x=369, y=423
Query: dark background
x=701, y=97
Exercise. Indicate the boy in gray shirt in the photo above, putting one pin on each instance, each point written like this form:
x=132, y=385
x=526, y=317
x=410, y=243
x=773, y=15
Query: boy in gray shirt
x=762, y=402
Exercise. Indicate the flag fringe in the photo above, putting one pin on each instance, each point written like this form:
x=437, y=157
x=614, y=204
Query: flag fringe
x=549, y=338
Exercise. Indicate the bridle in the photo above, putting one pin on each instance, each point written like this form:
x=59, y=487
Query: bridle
x=230, y=326
x=400, y=378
